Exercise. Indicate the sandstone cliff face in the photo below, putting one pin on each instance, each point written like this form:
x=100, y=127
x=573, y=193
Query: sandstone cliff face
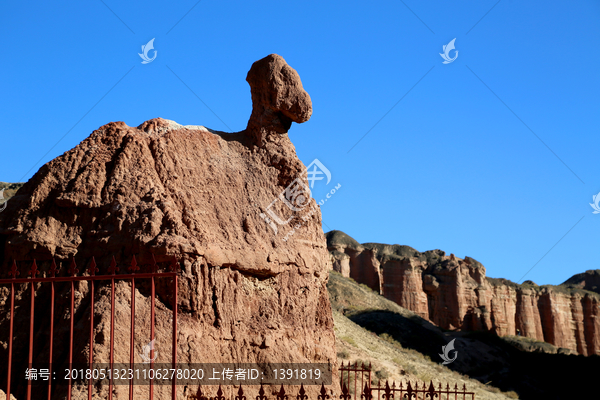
x=454, y=293
x=169, y=190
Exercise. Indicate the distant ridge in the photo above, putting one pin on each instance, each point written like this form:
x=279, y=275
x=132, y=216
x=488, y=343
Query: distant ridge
x=455, y=293
x=10, y=189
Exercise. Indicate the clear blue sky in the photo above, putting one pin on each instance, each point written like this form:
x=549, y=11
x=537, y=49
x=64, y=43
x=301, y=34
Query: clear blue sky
x=449, y=167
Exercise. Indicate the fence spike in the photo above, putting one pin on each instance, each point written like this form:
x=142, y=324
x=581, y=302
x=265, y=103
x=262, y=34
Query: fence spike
x=388, y=393
x=13, y=270
x=409, y=391
x=73, y=268
x=134, y=267
x=345, y=393
x=34, y=269
x=113, y=266
x=281, y=394
x=240, y=395
x=323, y=395
x=431, y=391
x=199, y=395
x=302, y=393
x=219, y=395
x=92, y=269
x=366, y=393
x=53, y=268
x=261, y=393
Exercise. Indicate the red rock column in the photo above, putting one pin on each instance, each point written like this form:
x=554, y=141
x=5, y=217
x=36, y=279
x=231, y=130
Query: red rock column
x=578, y=324
x=503, y=309
x=527, y=318
x=591, y=318
x=403, y=284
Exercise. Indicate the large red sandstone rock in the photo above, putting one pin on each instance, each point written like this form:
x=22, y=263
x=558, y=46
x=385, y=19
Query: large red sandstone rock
x=169, y=190
x=455, y=294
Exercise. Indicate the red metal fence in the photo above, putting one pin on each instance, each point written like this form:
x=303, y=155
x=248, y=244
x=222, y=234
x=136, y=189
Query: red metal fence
x=280, y=395
x=351, y=374
x=355, y=380
x=91, y=277
x=357, y=377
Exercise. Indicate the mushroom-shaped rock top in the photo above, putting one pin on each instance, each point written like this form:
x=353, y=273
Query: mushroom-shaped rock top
x=278, y=98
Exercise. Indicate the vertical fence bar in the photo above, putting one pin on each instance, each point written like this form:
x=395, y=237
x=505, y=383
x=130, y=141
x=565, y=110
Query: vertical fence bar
x=33, y=273
x=72, y=271
x=13, y=273
x=52, y=275
x=342, y=382
x=133, y=268
x=356, y=396
x=152, y=294
x=370, y=368
x=10, y=340
x=113, y=269
x=174, y=356
x=356, y=379
x=92, y=270
x=355, y=375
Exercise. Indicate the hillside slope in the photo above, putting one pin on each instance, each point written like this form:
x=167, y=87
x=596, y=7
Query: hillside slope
x=9, y=189
x=372, y=328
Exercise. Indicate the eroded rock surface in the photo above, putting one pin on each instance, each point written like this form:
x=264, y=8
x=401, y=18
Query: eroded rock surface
x=166, y=190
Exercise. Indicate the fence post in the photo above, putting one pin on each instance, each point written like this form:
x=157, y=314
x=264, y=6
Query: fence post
x=14, y=272
x=174, y=268
x=113, y=269
x=72, y=271
x=33, y=273
x=92, y=271
x=153, y=269
x=132, y=269
x=52, y=274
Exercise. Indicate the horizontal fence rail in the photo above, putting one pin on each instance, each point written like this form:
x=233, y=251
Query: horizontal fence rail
x=91, y=277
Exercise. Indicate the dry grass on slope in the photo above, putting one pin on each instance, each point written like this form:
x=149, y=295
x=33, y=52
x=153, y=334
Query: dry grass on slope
x=393, y=362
